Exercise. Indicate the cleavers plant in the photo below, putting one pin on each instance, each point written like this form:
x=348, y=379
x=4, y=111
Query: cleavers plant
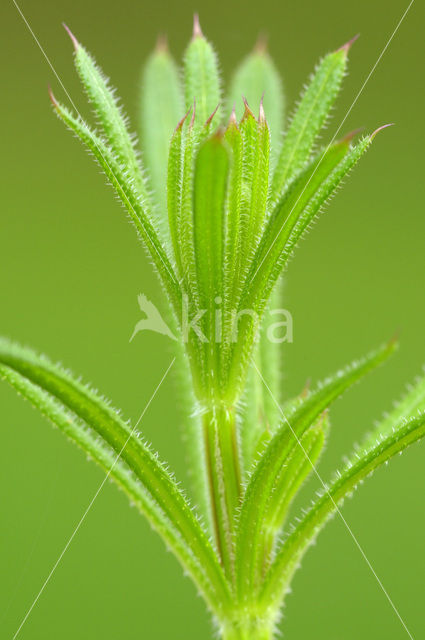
x=220, y=199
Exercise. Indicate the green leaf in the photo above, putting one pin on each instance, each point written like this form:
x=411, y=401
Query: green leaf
x=254, y=187
x=309, y=118
x=298, y=467
x=266, y=472
x=201, y=76
x=174, y=191
x=256, y=77
x=130, y=197
x=412, y=403
x=161, y=109
x=108, y=112
x=298, y=207
x=222, y=461
x=211, y=173
x=259, y=415
x=233, y=138
x=87, y=419
x=293, y=549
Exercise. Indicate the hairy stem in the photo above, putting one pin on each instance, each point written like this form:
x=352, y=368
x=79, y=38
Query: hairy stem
x=257, y=629
x=224, y=478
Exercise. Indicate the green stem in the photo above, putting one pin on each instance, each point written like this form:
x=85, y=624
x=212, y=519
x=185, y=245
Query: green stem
x=249, y=630
x=224, y=479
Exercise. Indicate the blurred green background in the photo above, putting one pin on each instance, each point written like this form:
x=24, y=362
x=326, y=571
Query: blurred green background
x=71, y=268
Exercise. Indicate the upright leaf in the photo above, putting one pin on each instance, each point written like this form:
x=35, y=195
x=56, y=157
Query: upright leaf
x=108, y=112
x=175, y=191
x=309, y=118
x=130, y=197
x=255, y=79
x=255, y=182
x=201, y=76
x=161, y=108
x=211, y=172
x=289, y=219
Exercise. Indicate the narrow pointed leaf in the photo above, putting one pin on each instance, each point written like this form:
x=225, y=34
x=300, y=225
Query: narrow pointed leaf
x=298, y=467
x=290, y=218
x=269, y=466
x=233, y=138
x=309, y=118
x=300, y=205
x=89, y=420
x=256, y=77
x=254, y=188
x=412, y=403
x=174, y=191
x=130, y=197
x=201, y=77
x=108, y=112
x=211, y=172
x=161, y=109
x=293, y=549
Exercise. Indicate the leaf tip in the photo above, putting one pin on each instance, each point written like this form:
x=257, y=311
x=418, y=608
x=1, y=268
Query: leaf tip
x=161, y=45
x=183, y=120
x=394, y=341
x=351, y=134
x=71, y=35
x=210, y=119
x=247, y=113
x=384, y=126
x=261, y=46
x=232, y=123
x=261, y=115
x=197, y=31
x=347, y=46
x=52, y=97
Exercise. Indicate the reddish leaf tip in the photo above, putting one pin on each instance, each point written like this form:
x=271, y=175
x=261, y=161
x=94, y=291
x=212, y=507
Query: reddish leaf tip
x=161, y=45
x=197, y=31
x=347, y=46
x=71, y=35
x=232, y=119
x=210, y=119
x=52, y=97
x=394, y=340
x=247, y=113
x=351, y=134
x=261, y=46
x=384, y=126
x=218, y=135
x=183, y=120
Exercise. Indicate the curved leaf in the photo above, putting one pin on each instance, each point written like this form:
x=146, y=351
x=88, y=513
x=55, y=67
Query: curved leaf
x=130, y=197
x=263, y=479
x=89, y=420
x=293, y=549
